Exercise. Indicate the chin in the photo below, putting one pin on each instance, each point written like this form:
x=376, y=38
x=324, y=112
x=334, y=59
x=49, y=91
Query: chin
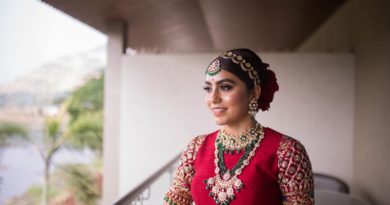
x=220, y=121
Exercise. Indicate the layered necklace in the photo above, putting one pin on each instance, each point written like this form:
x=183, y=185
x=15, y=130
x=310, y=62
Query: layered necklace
x=225, y=184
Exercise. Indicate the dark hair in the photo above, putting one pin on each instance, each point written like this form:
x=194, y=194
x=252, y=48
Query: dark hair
x=267, y=77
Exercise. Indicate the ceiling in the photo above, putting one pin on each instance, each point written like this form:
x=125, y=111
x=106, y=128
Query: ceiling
x=206, y=25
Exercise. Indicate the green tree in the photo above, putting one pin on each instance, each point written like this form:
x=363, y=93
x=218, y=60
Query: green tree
x=77, y=125
x=86, y=131
x=11, y=133
x=86, y=115
x=82, y=182
x=54, y=138
x=86, y=99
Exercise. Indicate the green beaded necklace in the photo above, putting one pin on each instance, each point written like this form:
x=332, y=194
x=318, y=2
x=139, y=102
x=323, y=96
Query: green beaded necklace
x=221, y=164
x=226, y=182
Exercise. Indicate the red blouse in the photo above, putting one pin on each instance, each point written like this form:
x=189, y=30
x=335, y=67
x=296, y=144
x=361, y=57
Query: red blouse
x=279, y=173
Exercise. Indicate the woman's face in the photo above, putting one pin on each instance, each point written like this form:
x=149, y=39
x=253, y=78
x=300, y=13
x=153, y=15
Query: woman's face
x=227, y=98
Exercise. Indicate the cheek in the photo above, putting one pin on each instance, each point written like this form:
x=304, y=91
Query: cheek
x=207, y=100
x=237, y=99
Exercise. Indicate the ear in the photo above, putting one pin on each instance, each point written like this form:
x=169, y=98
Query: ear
x=256, y=92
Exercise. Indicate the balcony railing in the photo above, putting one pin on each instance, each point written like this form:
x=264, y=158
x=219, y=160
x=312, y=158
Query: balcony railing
x=152, y=190
x=143, y=193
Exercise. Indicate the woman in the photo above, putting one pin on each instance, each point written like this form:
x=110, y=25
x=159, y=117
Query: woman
x=243, y=163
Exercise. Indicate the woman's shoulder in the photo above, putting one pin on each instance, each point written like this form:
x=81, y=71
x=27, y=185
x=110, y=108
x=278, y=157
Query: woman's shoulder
x=200, y=139
x=197, y=141
x=283, y=140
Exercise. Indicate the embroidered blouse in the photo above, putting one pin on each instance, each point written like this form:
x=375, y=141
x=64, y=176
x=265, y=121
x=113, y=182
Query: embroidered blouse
x=279, y=173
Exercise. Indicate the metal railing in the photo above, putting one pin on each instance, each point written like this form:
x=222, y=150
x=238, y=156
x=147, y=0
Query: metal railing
x=137, y=195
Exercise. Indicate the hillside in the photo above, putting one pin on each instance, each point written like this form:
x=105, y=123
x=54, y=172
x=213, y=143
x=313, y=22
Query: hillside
x=52, y=80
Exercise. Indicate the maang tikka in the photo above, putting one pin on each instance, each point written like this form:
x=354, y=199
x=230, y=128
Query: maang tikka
x=214, y=68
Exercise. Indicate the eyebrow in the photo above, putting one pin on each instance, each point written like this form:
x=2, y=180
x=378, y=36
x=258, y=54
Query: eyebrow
x=223, y=81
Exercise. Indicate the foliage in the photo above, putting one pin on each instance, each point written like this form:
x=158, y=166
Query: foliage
x=52, y=128
x=52, y=136
x=11, y=132
x=86, y=131
x=34, y=193
x=78, y=124
x=88, y=98
x=86, y=116
x=80, y=180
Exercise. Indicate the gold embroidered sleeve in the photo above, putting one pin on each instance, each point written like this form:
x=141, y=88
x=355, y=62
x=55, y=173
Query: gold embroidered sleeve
x=180, y=190
x=295, y=173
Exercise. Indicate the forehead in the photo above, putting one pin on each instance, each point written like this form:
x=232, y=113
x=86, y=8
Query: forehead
x=223, y=75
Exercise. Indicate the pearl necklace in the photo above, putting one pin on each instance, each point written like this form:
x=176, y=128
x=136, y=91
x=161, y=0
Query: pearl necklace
x=226, y=183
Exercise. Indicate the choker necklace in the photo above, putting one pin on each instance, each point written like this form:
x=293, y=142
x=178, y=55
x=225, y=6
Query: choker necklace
x=225, y=184
x=237, y=143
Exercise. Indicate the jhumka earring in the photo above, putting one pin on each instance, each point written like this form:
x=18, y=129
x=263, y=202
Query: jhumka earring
x=253, y=107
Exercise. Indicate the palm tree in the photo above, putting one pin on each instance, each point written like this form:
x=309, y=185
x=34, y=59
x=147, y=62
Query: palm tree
x=53, y=140
x=77, y=124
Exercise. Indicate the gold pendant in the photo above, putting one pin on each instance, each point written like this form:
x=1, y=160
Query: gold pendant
x=223, y=189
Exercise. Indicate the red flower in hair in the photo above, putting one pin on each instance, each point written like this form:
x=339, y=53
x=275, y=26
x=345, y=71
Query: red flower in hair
x=268, y=90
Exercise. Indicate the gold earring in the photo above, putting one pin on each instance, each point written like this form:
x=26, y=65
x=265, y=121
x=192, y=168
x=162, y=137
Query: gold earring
x=253, y=107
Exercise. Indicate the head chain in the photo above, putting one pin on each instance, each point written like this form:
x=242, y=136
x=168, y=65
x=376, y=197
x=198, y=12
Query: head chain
x=245, y=66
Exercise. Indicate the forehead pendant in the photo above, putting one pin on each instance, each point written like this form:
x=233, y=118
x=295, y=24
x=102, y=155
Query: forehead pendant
x=213, y=68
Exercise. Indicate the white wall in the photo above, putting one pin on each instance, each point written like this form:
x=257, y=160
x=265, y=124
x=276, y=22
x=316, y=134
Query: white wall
x=315, y=104
x=372, y=139
x=363, y=27
x=162, y=109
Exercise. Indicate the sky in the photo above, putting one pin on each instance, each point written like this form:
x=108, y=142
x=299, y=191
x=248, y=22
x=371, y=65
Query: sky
x=33, y=33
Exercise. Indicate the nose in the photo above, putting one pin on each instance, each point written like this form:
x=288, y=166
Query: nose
x=214, y=96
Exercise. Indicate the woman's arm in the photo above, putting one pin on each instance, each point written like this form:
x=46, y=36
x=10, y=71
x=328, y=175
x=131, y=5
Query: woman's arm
x=180, y=190
x=295, y=173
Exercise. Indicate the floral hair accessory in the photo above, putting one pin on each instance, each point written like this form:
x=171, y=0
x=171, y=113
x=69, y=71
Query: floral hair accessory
x=268, y=89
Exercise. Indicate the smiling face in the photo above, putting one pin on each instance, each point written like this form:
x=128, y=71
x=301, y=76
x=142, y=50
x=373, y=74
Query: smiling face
x=228, y=98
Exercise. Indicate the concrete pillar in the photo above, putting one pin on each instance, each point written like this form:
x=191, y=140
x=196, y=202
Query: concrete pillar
x=112, y=97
